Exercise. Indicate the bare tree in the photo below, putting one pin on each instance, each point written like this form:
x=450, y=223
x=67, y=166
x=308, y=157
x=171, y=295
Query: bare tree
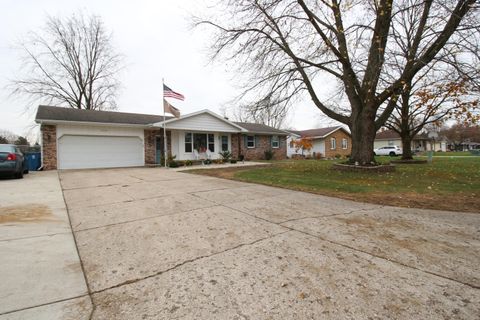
x=8, y=136
x=460, y=133
x=72, y=63
x=431, y=102
x=266, y=111
x=288, y=47
x=446, y=88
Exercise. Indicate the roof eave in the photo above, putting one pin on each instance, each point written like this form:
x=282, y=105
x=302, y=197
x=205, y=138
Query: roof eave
x=91, y=123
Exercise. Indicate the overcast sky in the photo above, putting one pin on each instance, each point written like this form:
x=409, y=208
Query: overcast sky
x=156, y=39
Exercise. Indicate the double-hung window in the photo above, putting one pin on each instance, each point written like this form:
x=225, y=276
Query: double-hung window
x=333, y=143
x=344, y=143
x=188, y=142
x=250, y=141
x=211, y=142
x=275, y=142
x=224, y=143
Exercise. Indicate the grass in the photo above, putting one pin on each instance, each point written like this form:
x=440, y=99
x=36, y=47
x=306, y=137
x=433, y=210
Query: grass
x=446, y=184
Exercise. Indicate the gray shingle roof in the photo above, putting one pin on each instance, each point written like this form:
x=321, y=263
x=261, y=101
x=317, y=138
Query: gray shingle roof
x=261, y=128
x=392, y=135
x=49, y=113
x=69, y=114
x=320, y=132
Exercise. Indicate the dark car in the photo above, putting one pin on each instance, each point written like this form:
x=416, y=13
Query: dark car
x=12, y=161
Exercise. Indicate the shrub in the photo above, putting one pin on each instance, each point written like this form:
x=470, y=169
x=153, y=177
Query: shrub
x=338, y=156
x=268, y=154
x=173, y=164
x=208, y=161
x=226, y=155
x=318, y=155
x=241, y=157
x=188, y=163
x=233, y=161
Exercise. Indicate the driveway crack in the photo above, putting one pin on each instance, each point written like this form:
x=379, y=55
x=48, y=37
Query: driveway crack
x=189, y=261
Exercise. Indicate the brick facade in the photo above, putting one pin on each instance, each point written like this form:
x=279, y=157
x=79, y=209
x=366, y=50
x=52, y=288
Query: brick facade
x=150, y=144
x=262, y=143
x=338, y=135
x=49, y=146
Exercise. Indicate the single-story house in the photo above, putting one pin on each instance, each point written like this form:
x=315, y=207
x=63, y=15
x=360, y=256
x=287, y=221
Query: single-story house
x=326, y=142
x=421, y=142
x=77, y=139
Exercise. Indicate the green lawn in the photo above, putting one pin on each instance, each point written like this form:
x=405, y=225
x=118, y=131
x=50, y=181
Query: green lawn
x=447, y=183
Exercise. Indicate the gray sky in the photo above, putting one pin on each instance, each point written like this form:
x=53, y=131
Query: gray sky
x=157, y=42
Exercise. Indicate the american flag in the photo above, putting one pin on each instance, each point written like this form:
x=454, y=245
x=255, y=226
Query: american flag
x=169, y=93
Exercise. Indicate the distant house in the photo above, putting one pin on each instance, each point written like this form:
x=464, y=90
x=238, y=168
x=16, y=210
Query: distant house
x=421, y=142
x=327, y=142
x=77, y=139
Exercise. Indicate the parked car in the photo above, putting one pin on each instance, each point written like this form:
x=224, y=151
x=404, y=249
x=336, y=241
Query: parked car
x=388, y=151
x=12, y=161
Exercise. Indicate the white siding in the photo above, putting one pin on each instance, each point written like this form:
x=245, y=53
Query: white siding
x=318, y=146
x=178, y=144
x=203, y=122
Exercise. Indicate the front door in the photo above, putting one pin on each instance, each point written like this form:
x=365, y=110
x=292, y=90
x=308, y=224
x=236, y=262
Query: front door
x=159, y=149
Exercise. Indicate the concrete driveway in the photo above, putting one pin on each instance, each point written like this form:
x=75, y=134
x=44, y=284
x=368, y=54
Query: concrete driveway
x=158, y=244
x=41, y=276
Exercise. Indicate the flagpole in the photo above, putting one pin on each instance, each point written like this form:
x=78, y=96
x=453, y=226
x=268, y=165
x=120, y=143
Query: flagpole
x=165, y=146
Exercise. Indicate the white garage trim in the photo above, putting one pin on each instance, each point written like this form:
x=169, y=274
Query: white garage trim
x=98, y=151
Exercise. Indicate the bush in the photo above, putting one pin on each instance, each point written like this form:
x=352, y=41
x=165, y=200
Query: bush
x=268, y=154
x=241, y=157
x=233, y=161
x=173, y=164
x=218, y=161
x=338, y=156
x=226, y=155
x=318, y=155
x=208, y=161
x=170, y=159
x=188, y=163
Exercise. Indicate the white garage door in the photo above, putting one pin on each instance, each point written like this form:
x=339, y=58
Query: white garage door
x=81, y=152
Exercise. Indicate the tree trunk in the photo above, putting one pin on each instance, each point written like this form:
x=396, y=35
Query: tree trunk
x=407, y=147
x=363, y=132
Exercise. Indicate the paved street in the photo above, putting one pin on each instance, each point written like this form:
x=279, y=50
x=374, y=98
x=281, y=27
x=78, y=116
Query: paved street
x=160, y=244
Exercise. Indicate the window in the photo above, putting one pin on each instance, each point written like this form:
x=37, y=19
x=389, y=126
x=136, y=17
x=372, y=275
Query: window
x=275, y=142
x=188, y=142
x=211, y=142
x=250, y=141
x=224, y=143
x=333, y=143
x=344, y=143
x=200, y=142
x=292, y=143
x=391, y=142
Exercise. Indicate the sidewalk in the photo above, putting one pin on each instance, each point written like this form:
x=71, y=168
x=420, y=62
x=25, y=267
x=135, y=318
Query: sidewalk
x=40, y=272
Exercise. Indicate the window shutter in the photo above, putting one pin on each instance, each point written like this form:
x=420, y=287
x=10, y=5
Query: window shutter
x=256, y=141
x=270, y=139
x=244, y=140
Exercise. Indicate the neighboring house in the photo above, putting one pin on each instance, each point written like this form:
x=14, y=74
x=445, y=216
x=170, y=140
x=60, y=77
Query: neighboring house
x=328, y=142
x=77, y=139
x=463, y=146
x=421, y=142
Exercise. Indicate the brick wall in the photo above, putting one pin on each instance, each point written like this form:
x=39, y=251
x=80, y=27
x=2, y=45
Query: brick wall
x=338, y=135
x=262, y=144
x=150, y=144
x=49, y=146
